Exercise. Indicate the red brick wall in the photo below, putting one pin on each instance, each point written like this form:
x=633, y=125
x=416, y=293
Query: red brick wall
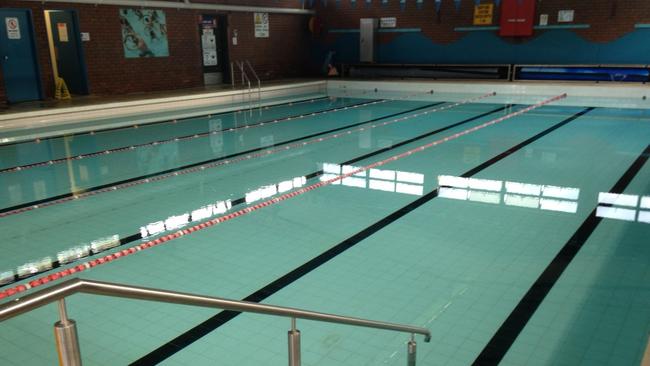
x=609, y=19
x=109, y=72
x=284, y=54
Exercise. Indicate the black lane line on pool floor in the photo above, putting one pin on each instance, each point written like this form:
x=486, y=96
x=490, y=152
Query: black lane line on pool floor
x=177, y=344
x=508, y=332
x=270, y=122
x=108, y=185
x=308, y=100
x=238, y=201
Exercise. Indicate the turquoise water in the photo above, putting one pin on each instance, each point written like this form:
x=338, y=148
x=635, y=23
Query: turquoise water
x=457, y=263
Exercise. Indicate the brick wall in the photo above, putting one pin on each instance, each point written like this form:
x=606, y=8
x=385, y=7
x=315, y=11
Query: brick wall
x=284, y=54
x=109, y=72
x=609, y=19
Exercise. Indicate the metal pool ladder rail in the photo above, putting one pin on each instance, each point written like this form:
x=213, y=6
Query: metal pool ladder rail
x=259, y=82
x=65, y=329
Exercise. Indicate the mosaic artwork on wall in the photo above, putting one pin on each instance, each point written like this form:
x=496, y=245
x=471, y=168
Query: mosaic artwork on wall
x=144, y=33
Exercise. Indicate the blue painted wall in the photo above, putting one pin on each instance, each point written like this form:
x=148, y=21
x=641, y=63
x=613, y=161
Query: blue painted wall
x=548, y=47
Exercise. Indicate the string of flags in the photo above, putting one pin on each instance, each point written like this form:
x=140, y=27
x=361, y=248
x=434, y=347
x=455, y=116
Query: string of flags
x=402, y=3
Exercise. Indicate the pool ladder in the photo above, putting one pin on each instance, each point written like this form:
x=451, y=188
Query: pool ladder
x=246, y=81
x=65, y=330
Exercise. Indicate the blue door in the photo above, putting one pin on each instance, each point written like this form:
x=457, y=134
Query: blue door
x=18, y=56
x=68, y=51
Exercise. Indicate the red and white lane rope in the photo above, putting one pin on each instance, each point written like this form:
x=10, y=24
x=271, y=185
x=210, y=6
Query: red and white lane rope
x=240, y=158
x=219, y=220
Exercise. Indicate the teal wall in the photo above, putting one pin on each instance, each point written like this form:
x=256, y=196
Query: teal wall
x=548, y=47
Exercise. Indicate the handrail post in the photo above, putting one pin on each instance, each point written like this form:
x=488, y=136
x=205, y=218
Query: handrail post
x=232, y=74
x=411, y=349
x=67, y=341
x=294, y=344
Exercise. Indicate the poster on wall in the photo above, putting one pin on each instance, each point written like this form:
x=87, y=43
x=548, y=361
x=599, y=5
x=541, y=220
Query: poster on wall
x=144, y=33
x=209, y=46
x=483, y=14
x=261, y=25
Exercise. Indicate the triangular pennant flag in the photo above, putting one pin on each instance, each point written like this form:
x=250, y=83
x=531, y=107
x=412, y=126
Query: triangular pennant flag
x=402, y=4
x=438, y=4
x=457, y=3
x=419, y=3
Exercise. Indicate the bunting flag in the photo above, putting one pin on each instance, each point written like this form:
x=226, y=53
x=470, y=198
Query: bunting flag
x=457, y=3
x=419, y=3
x=438, y=5
x=402, y=4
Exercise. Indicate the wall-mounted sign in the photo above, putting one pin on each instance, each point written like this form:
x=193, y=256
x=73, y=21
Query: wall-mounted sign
x=261, y=25
x=85, y=37
x=209, y=45
x=388, y=22
x=543, y=19
x=483, y=14
x=517, y=18
x=565, y=16
x=13, y=28
x=63, y=31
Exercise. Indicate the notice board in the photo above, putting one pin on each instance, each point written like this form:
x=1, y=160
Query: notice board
x=517, y=18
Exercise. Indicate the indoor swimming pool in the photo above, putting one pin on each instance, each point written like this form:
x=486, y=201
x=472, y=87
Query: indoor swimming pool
x=514, y=228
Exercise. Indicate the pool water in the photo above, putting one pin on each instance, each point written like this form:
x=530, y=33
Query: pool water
x=504, y=241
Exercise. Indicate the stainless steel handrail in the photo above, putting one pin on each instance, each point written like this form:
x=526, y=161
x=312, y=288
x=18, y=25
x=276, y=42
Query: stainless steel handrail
x=259, y=83
x=70, y=287
x=245, y=78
